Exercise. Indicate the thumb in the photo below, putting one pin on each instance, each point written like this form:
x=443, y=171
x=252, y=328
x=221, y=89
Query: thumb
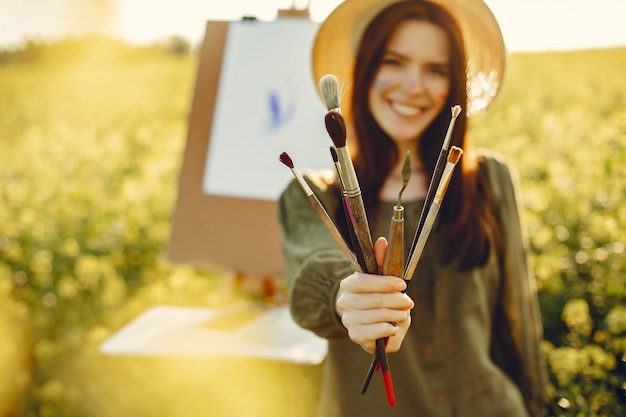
x=380, y=249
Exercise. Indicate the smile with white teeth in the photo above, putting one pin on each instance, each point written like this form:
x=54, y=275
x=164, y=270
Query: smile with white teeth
x=405, y=110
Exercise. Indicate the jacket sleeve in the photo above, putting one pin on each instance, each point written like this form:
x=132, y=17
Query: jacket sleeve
x=314, y=263
x=518, y=331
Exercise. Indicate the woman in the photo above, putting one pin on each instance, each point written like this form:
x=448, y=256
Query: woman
x=464, y=338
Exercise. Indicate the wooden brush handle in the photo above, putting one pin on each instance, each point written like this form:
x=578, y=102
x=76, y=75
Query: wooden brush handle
x=328, y=222
x=394, y=257
x=362, y=230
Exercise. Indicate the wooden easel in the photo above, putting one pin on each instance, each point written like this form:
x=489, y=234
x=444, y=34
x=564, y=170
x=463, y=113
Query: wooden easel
x=293, y=12
x=240, y=235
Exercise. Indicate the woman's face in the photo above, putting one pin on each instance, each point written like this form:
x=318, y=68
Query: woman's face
x=412, y=83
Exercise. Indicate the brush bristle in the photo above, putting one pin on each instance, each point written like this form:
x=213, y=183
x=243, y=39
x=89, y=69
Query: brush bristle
x=285, y=159
x=333, y=153
x=406, y=167
x=455, y=154
x=329, y=87
x=456, y=110
x=336, y=128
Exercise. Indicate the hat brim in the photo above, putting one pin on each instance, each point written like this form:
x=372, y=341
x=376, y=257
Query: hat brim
x=338, y=37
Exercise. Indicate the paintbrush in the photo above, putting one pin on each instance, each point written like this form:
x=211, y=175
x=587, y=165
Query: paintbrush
x=453, y=158
x=321, y=211
x=394, y=257
x=346, y=208
x=329, y=89
x=439, y=166
x=335, y=125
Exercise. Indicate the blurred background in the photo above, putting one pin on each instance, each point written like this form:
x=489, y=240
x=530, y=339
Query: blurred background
x=94, y=99
x=527, y=25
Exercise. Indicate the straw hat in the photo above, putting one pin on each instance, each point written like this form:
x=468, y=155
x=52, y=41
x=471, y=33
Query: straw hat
x=339, y=35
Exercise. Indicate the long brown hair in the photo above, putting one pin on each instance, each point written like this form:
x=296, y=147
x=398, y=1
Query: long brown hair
x=466, y=228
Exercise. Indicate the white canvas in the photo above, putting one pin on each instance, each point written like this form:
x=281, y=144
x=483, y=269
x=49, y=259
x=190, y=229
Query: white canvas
x=267, y=103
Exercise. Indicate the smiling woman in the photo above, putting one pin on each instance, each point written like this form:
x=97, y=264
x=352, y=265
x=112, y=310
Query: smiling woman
x=406, y=64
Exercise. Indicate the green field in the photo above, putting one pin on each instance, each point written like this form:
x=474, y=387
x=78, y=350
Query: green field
x=92, y=146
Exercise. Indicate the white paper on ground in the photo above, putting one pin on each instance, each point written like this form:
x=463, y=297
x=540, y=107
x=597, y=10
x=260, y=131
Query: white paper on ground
x=168, y=331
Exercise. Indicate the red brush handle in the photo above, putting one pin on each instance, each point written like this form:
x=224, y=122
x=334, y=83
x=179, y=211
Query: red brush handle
x=384, y=366
x=391, y=396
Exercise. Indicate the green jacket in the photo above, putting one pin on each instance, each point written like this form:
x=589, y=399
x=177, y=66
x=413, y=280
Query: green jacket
x=473, y=348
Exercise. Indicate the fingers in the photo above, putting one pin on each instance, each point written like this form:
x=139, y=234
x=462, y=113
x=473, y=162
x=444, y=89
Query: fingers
x=380, y=250
x=367, y=334
x=374, y=315
x=368, y=283
x=395, y=341
x=373, y=296
x=374, y=324
x=361, y=291
x=375, y=301
x=373, y=306
x=366, y=338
